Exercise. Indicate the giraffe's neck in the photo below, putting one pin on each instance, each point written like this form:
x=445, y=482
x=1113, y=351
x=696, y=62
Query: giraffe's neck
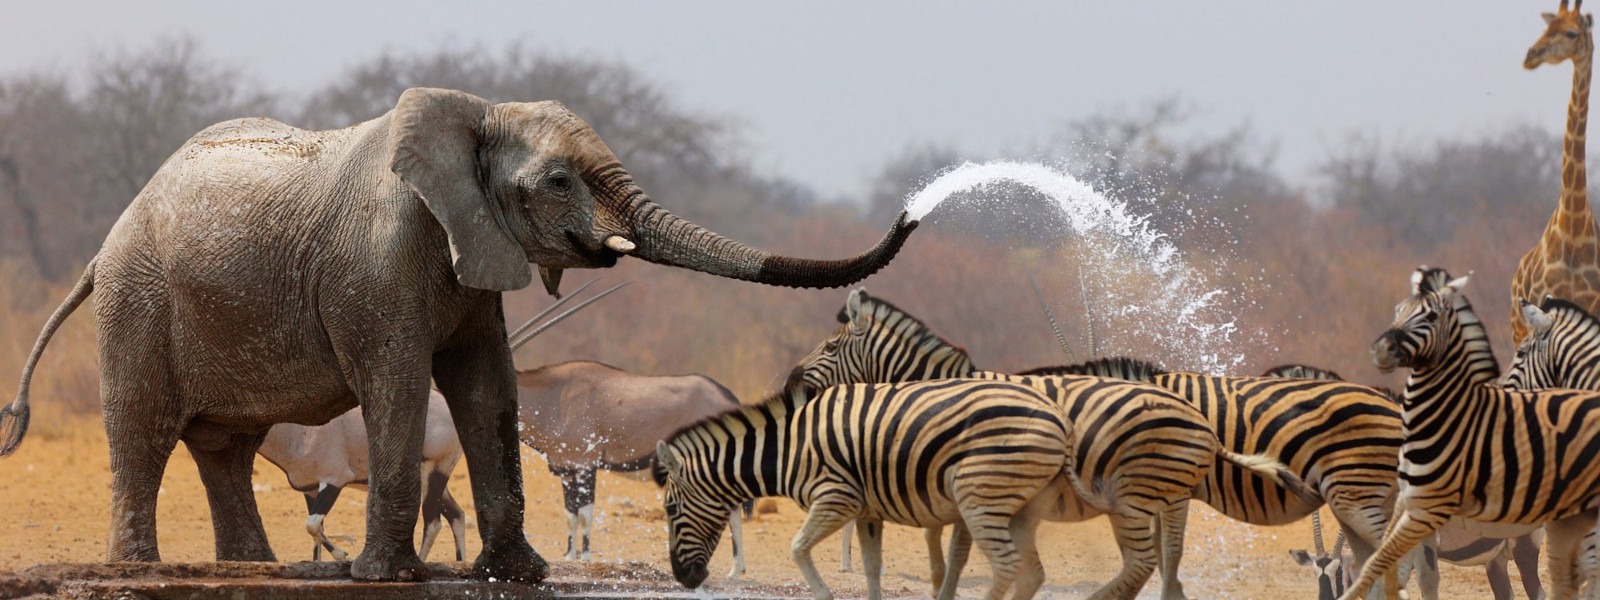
x=1574, y=217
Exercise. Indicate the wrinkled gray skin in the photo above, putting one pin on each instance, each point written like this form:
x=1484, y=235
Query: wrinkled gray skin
x=320, y=461
x=269, y=274
x=583, y=416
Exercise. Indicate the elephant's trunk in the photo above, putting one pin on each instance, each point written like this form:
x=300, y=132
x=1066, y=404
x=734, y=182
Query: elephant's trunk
x=662, y=237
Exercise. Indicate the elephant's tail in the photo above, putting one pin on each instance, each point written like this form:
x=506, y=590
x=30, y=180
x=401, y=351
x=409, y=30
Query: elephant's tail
x=14, y=417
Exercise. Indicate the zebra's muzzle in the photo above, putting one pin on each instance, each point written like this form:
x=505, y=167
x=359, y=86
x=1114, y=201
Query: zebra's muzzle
x=690, y=575
x=1386, y=351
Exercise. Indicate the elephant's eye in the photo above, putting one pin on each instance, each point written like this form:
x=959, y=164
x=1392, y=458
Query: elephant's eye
x=560, y=183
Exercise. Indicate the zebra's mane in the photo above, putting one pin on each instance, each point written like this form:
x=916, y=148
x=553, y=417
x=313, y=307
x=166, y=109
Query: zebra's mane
x=1566, y=311
x=1480, y=354
x=909, y=328
x=1121, y=367
x=1299, y=371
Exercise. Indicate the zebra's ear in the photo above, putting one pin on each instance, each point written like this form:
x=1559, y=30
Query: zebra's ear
x=1302, y=557
x=853, y=310
x=668, y=457
x=1538, y=320
x=1459, y=282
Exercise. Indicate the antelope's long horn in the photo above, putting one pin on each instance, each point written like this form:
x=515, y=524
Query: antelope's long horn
x=1338, y=544
x=567, y=313
x=1316, y=533
x=557, y=304
x=1088, y=315
x=1051, y=316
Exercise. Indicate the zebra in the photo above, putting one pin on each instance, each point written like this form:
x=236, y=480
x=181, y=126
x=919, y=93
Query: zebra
x=1560, y=350
x=1457, y=544
x=1143, y=449
x=1353, y=463
x=983, y=453
x=1478, y=451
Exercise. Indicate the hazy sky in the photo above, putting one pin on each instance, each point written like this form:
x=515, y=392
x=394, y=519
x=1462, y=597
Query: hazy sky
x=829, y=90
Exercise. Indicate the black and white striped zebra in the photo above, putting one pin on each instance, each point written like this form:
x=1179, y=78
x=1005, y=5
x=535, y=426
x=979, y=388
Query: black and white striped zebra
x=1457, y=543
x=980, y=453
x=1475, y=450
x=1141, y=449
x=1341, y=438
x=1562, y=349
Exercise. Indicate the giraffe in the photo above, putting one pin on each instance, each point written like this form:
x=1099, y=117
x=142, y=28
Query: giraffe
x=1565, y=263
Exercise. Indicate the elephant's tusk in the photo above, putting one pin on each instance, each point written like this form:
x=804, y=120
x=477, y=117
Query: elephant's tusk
x=620, y=244
x=552, y=280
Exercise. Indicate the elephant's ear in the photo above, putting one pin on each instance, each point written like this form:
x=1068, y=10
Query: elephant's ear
x=436, y=134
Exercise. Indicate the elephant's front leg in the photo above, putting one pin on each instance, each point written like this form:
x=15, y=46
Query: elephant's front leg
x=394, y=411
x=479, y=383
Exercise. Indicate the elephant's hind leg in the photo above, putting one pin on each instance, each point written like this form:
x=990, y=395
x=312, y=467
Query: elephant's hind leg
x=138, y=460
x=143, y=423
x=225, y=466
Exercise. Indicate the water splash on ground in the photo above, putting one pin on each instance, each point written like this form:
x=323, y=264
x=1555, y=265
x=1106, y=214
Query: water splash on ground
x=1143, y=286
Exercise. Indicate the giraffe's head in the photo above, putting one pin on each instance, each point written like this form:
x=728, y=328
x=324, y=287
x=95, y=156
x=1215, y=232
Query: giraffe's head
x=1566, y=36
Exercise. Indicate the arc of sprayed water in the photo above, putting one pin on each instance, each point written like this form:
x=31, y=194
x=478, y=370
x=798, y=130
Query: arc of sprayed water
x=1168, y=292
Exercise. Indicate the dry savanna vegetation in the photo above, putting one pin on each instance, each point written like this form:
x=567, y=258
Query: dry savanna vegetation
x=1317, y=262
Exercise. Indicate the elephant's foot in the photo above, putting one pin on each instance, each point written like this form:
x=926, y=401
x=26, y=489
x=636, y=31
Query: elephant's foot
x=513, y=560
x=249, y=551
x=399, y=564
x=133, y=552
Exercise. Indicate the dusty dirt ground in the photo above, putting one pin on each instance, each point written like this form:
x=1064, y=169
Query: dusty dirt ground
x=56, y=489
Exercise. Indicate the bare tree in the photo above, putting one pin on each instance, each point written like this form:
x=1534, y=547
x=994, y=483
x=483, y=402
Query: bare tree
x=147, y=103
x=1425, y=193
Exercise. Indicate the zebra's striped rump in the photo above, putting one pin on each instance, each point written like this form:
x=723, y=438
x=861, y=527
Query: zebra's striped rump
x=1475, y=450
x=1340, y=438
x=920, y=454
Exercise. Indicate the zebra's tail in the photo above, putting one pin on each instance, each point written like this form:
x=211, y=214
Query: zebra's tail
x=14, y=416
x=1273, y=470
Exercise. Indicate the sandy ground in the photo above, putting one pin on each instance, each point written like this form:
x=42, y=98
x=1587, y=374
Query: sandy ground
x=55, y=491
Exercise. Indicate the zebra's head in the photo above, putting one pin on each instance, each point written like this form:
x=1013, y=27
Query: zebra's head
x=695, y=516
x=1558, y=332
x=1416, y=338
x=878, y=343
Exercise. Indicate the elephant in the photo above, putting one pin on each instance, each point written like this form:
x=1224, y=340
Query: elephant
x=269, y=274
